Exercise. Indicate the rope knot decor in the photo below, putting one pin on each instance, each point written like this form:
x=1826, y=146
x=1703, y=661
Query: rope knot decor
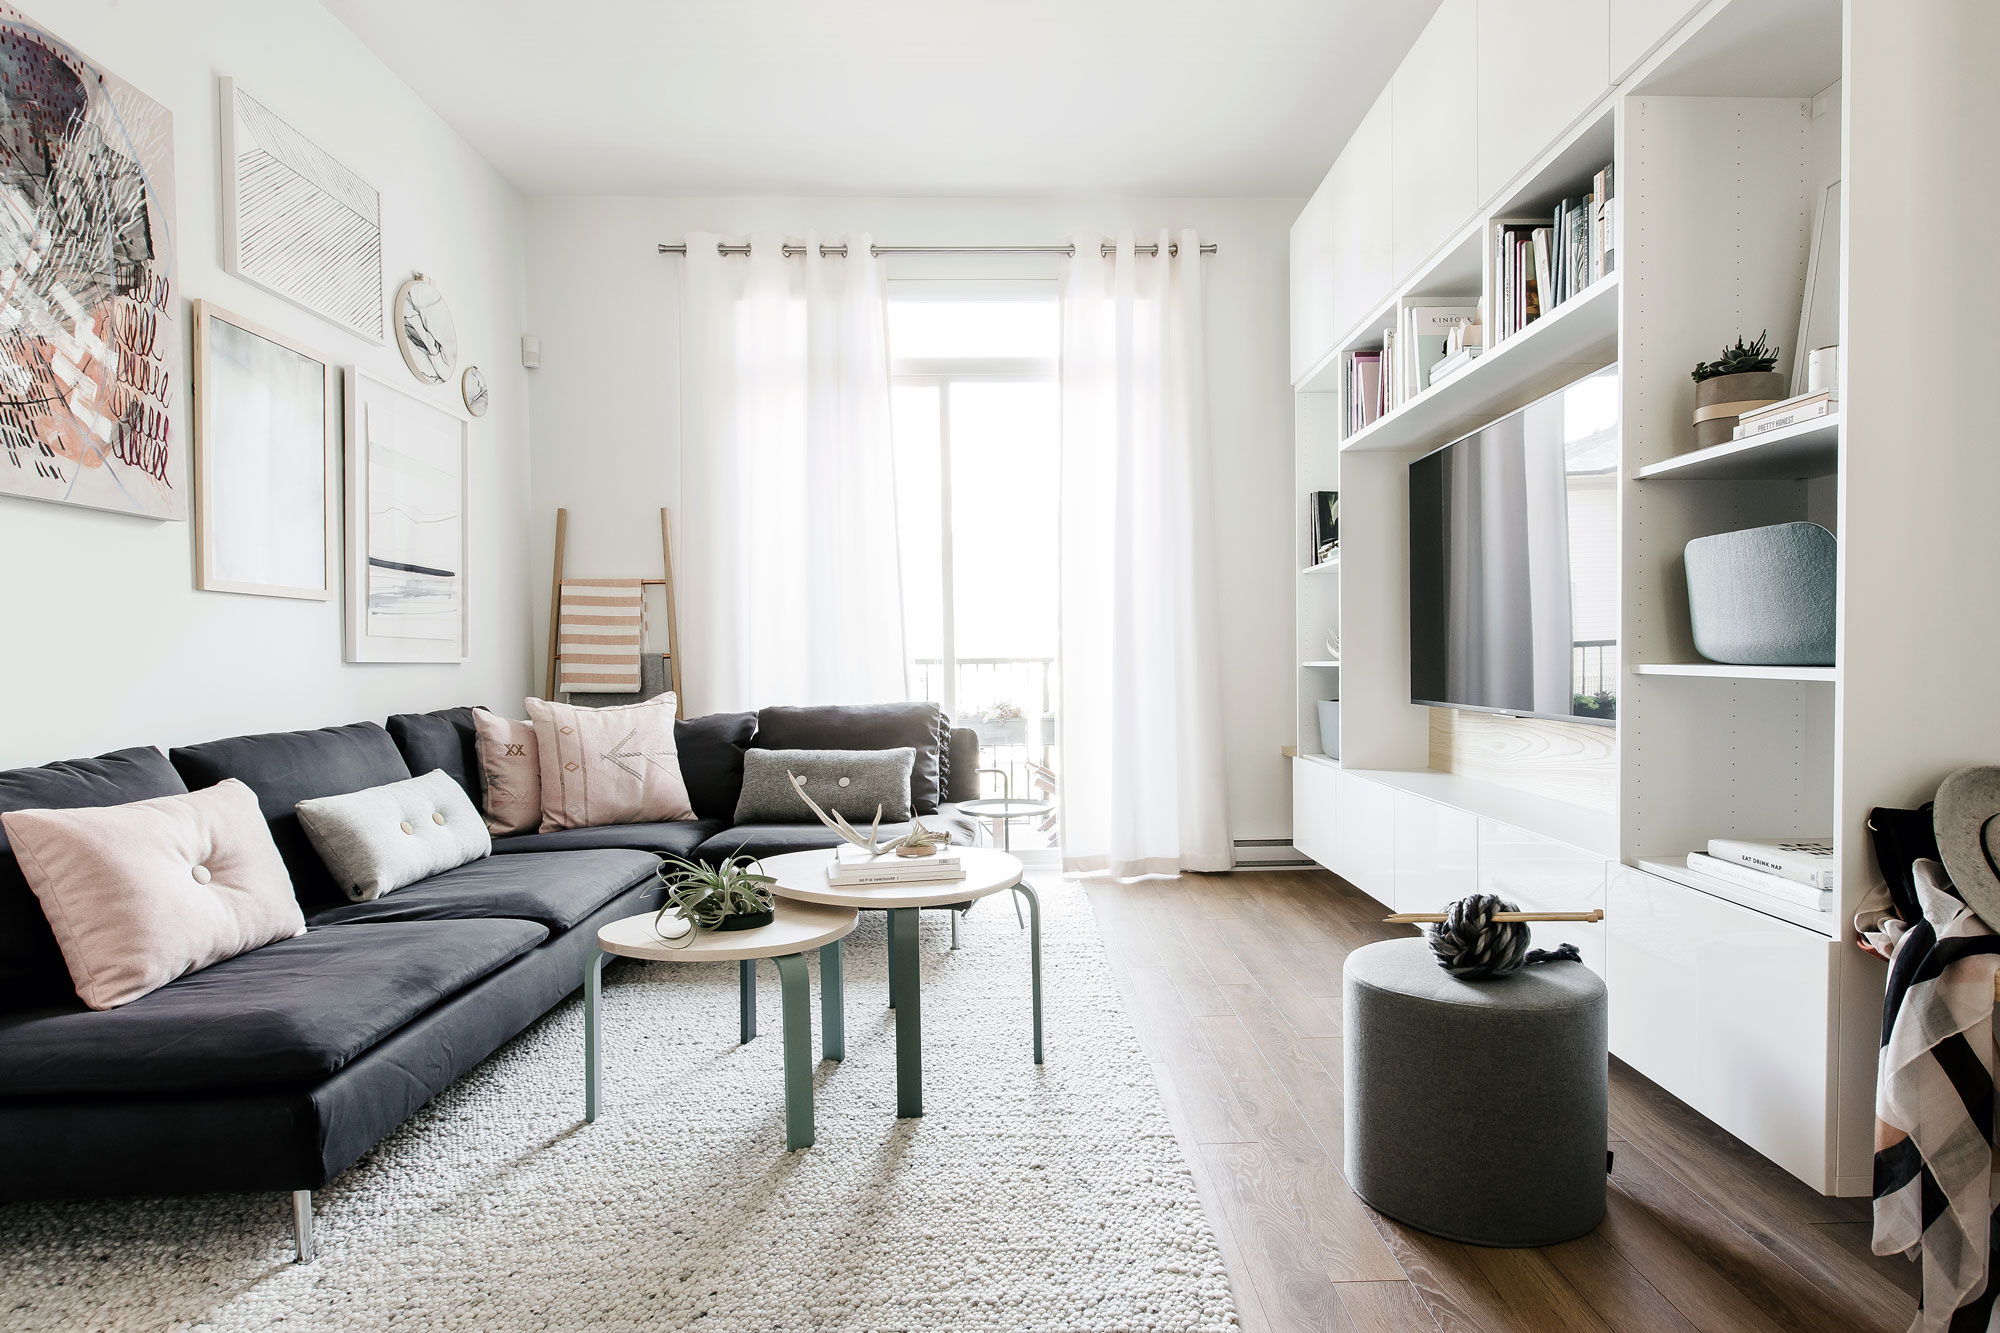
x=1471, y=943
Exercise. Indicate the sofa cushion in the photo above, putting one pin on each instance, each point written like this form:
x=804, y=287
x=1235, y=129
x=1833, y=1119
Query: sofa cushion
x=677, y=837
x=379, y=840
x=712, y=760
x=32, y=971
x=760, y=840
x=854, y=784
x=962, y=779
x=510, y=773
x=286, y=767
x=556, y=889
x=288, y=1014
x=443, y=739
x=142, y=893
x=920, y=726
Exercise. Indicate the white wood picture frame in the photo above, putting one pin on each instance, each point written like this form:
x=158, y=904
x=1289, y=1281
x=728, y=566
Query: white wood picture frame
x=409, y=525
x=266, y=461
x=1820, y=306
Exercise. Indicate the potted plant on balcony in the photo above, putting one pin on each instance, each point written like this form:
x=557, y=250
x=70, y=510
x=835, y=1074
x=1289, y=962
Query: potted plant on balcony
x=1740, y=380
x=1001, y=724
x=734, y=895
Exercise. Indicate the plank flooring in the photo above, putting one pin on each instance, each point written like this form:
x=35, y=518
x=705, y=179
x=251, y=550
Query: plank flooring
x=1234, y=983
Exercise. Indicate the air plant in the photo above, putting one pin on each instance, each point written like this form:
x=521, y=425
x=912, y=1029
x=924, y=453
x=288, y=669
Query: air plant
x=1739, y=359
x=707, y=896
x=921, y=841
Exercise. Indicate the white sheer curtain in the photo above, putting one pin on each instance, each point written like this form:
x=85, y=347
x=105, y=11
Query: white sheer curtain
x=789, y=586
x=1142, y=780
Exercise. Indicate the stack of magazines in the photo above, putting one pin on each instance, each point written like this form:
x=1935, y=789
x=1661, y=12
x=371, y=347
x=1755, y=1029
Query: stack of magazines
x=1798, y=871
x=852, y=866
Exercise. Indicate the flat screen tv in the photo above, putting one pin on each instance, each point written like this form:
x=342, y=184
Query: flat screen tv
x=1514, y=562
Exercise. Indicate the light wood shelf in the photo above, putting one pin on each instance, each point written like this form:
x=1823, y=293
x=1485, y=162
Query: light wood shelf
x=1578, y=336
x=1808, y=449
x=1724, y=671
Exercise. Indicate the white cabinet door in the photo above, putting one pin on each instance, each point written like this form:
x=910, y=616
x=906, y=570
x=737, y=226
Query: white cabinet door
x=1434, y=160
x=1543, y=876
x=1363, y=270
x=1437, y=854
x=1727, y=1009
x=1313, y=329
x=1636, y=25
x=1314, y=793
x=1367, y=852
x=1541, y=63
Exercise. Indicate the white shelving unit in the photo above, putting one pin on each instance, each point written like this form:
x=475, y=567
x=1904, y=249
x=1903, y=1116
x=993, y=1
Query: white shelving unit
x=1725, y=120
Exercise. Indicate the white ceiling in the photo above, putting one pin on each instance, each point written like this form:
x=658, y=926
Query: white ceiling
x=919, y=97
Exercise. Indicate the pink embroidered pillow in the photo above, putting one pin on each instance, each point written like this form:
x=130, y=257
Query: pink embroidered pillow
x=608, y=765
x=140, y=894
x=510, y=773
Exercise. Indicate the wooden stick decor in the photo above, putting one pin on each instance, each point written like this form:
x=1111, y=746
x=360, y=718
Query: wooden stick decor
x=1418, y=918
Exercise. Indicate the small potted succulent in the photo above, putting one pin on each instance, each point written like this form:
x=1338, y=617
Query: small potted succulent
x=1741, y=380
x=734, y=895
x=1001, y=724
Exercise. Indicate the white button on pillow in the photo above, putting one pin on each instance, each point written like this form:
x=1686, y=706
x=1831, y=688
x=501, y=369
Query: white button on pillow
x=381, y=839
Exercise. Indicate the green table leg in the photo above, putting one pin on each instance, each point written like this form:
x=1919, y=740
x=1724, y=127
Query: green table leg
x=593, y=999
x=1034, y=955
x=909, y=1011
x=796, y=992
x=832, y=1003
x=746, y=1000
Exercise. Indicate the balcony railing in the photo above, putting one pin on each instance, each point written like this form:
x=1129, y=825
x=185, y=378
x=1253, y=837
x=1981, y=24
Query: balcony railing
x=1010, y=702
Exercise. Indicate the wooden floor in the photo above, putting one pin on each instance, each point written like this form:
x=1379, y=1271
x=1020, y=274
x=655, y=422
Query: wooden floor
x=1234, y=982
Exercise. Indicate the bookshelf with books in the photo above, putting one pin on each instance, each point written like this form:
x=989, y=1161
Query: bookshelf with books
x=1720, y=143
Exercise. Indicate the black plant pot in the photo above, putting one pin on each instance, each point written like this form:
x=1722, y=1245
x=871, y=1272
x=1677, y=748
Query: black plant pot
x=747, y=920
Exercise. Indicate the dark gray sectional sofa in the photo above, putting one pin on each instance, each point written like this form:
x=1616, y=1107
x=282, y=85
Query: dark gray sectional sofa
x=277, y=1069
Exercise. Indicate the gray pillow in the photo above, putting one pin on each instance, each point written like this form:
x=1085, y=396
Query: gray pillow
x=850, y=783
x=382, y=838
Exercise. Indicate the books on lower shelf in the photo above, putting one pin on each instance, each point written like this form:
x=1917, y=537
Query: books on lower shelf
x=1789, y=412
x=853, y=866
x=1759, y=881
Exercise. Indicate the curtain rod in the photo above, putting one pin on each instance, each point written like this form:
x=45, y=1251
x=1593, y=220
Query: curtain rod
x=827, y=251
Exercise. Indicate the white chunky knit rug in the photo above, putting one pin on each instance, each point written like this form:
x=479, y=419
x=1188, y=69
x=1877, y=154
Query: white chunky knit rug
x=1050, y=1199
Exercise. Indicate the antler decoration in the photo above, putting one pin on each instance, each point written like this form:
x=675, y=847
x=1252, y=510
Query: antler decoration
x=840, y=825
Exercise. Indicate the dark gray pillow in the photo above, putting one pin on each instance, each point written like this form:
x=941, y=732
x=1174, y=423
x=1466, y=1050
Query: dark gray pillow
x=850, y=783
x=921, y=726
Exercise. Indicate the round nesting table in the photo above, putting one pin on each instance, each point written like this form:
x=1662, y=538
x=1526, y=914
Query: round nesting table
x=795, y=928
x=801, y=878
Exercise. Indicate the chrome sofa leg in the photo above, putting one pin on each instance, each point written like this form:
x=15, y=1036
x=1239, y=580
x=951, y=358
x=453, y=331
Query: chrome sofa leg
x=302, y=1223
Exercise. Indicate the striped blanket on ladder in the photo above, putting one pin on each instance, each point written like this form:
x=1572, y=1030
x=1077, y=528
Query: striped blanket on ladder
x=1935, y=1185
x=600, y=632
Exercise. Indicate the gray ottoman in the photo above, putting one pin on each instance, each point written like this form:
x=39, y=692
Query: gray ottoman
x=1476, y=1110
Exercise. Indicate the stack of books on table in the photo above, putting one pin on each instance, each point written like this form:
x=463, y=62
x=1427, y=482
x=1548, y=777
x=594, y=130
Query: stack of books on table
x=1798, y=871
x=852, y=866
x=1790, y=412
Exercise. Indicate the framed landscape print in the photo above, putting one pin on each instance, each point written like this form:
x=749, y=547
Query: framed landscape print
x=90, y=331
x=267, y=461
x=408, y=540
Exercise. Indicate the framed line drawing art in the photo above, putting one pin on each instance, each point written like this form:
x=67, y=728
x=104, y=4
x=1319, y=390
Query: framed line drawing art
x=409, y=490
x=267, y=461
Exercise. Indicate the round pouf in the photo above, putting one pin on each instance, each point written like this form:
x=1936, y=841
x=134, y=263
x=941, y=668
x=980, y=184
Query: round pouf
x=1476, y=1110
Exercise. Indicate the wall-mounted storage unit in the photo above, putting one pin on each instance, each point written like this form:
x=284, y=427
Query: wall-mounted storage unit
x=1723, y=125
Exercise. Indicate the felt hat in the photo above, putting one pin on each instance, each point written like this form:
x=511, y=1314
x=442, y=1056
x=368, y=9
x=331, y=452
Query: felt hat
x=1967, y=818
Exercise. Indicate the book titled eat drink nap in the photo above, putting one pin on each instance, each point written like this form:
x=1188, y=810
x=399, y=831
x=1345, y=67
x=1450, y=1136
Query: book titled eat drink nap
x=1802, y=860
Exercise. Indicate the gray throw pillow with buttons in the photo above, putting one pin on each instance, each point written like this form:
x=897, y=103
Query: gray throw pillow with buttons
x=382, y=838
x=849, y=783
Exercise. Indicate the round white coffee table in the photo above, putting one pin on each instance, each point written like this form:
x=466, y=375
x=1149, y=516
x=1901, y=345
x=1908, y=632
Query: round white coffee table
x=801, y=878
x=795, y=928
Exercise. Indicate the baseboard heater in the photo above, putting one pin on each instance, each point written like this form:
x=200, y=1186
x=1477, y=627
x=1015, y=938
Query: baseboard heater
x=1253, y=853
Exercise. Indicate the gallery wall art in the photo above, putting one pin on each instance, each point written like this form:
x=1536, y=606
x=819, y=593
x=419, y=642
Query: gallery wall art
x=295, y=221
x=267, y=461
x=408, y=491
x=90, y=342
x=425, y=330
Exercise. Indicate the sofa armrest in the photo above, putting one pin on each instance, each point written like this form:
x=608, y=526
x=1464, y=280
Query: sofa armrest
x=964, y=765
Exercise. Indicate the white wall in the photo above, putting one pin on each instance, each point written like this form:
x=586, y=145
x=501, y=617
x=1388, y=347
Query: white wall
x=109, y=643
x=606, y=409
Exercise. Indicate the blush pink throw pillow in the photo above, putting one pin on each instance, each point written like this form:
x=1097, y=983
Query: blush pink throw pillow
x=608, y=765
x=140, y=894
x=511, y=773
